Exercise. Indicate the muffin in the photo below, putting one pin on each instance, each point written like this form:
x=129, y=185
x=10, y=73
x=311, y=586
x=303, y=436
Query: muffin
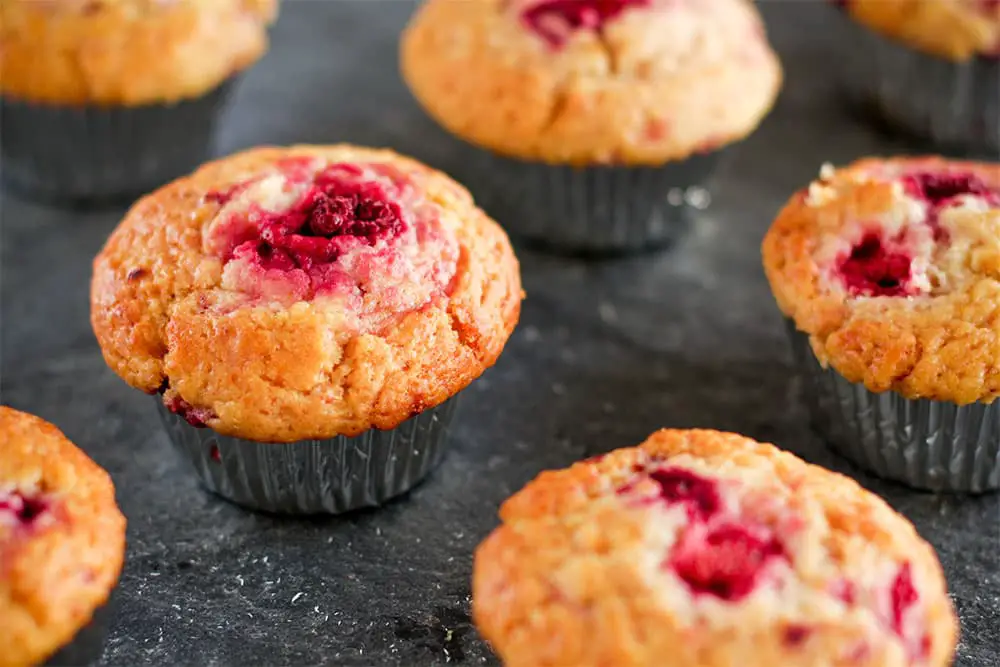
x=704, y=549
x=889, y=274
x=928, y=67
x=591, y=125
x=307, y=315
x=62, y=545
x=100, y=99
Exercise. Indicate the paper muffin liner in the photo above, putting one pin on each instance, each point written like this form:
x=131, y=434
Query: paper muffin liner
x=315, y=476
x=87, y=646
x=592, y=210
x=952, y=104
x=930, y=445
x=92, y=153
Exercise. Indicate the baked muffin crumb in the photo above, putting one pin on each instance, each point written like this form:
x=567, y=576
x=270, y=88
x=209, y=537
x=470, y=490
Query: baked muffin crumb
x=284, y=294
x=127, y=52
x=706, y=548
x=592, y=82
x=893, y=269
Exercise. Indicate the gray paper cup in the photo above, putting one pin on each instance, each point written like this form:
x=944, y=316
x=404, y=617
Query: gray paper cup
x=929, y=445
x=83, y=154
x=329, y=476
x=592, y=210
x=952, y=104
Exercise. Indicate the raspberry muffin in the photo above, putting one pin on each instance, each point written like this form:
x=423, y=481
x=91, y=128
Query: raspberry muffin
x=929, y=67
x=106, y=98
x=62, y=545
x=306, y=314
x=596, y=123
x=889, y=274
x=700, y=548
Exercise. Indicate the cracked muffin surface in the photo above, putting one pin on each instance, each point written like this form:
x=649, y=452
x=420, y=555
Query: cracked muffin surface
x=127, y=52
x=954, y=29
x=706, y=548
x=592, y=81
x=62, y=539
x=282, y=294
x=892, y=267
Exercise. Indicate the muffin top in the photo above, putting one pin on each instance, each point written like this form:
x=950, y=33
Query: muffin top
x=282, y=294
x=62, y=539
x=592, y=81
x=893, y=269
x=707, y=548
x=953, y=29
x=127, y=52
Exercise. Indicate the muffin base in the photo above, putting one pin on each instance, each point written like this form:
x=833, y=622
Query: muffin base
x=929, y=445
x=329, y=476
x=593, y=210
x=951, y=104
x=92, y=154
x=87, y=646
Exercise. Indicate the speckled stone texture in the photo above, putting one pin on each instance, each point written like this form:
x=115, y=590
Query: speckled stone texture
x=606, y=352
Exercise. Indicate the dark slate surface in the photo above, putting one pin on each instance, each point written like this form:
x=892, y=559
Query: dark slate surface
x=605, y=353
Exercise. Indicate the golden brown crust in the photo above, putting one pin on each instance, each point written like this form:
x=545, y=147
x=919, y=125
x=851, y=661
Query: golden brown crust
x=650, y=87
x=127, y=52
x=290, y=371
x=56, y=571
x=576, y=573
x=953, y=29
x=943, y=341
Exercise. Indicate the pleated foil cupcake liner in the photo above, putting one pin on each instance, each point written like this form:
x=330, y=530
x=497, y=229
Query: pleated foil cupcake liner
x=592, y=210
x=952, y=104
x=315, y=476
x=83, y=154
x=87, y=646
x=929, y=445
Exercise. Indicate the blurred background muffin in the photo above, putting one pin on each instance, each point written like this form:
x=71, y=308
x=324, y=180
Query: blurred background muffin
x=110, y=98
x=928, y=67
x=597, y=123
x=887, y=273
x=62, y=546
x=700, y=548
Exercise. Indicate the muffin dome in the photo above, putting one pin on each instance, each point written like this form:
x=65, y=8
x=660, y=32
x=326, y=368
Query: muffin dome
x=62, y=539
x=592, y=81
x=127, y=52
x=952, y=29
x=707, y=548
x=307, y=292
x=893, y=269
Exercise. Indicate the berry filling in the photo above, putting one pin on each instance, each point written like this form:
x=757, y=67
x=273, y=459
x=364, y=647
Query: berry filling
x=726, y=561
x=878, y=265
x=938, y=187
x=844, y=590
x=337, y=212
x=334, y=208
x=223, y=197
x=903, y=597
x=943, y=189
x=796, y=634
x=872, y=269
x=20, y=509
x=715, y=555
x=197, y=417
x=554, y=20
x=699, y=496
